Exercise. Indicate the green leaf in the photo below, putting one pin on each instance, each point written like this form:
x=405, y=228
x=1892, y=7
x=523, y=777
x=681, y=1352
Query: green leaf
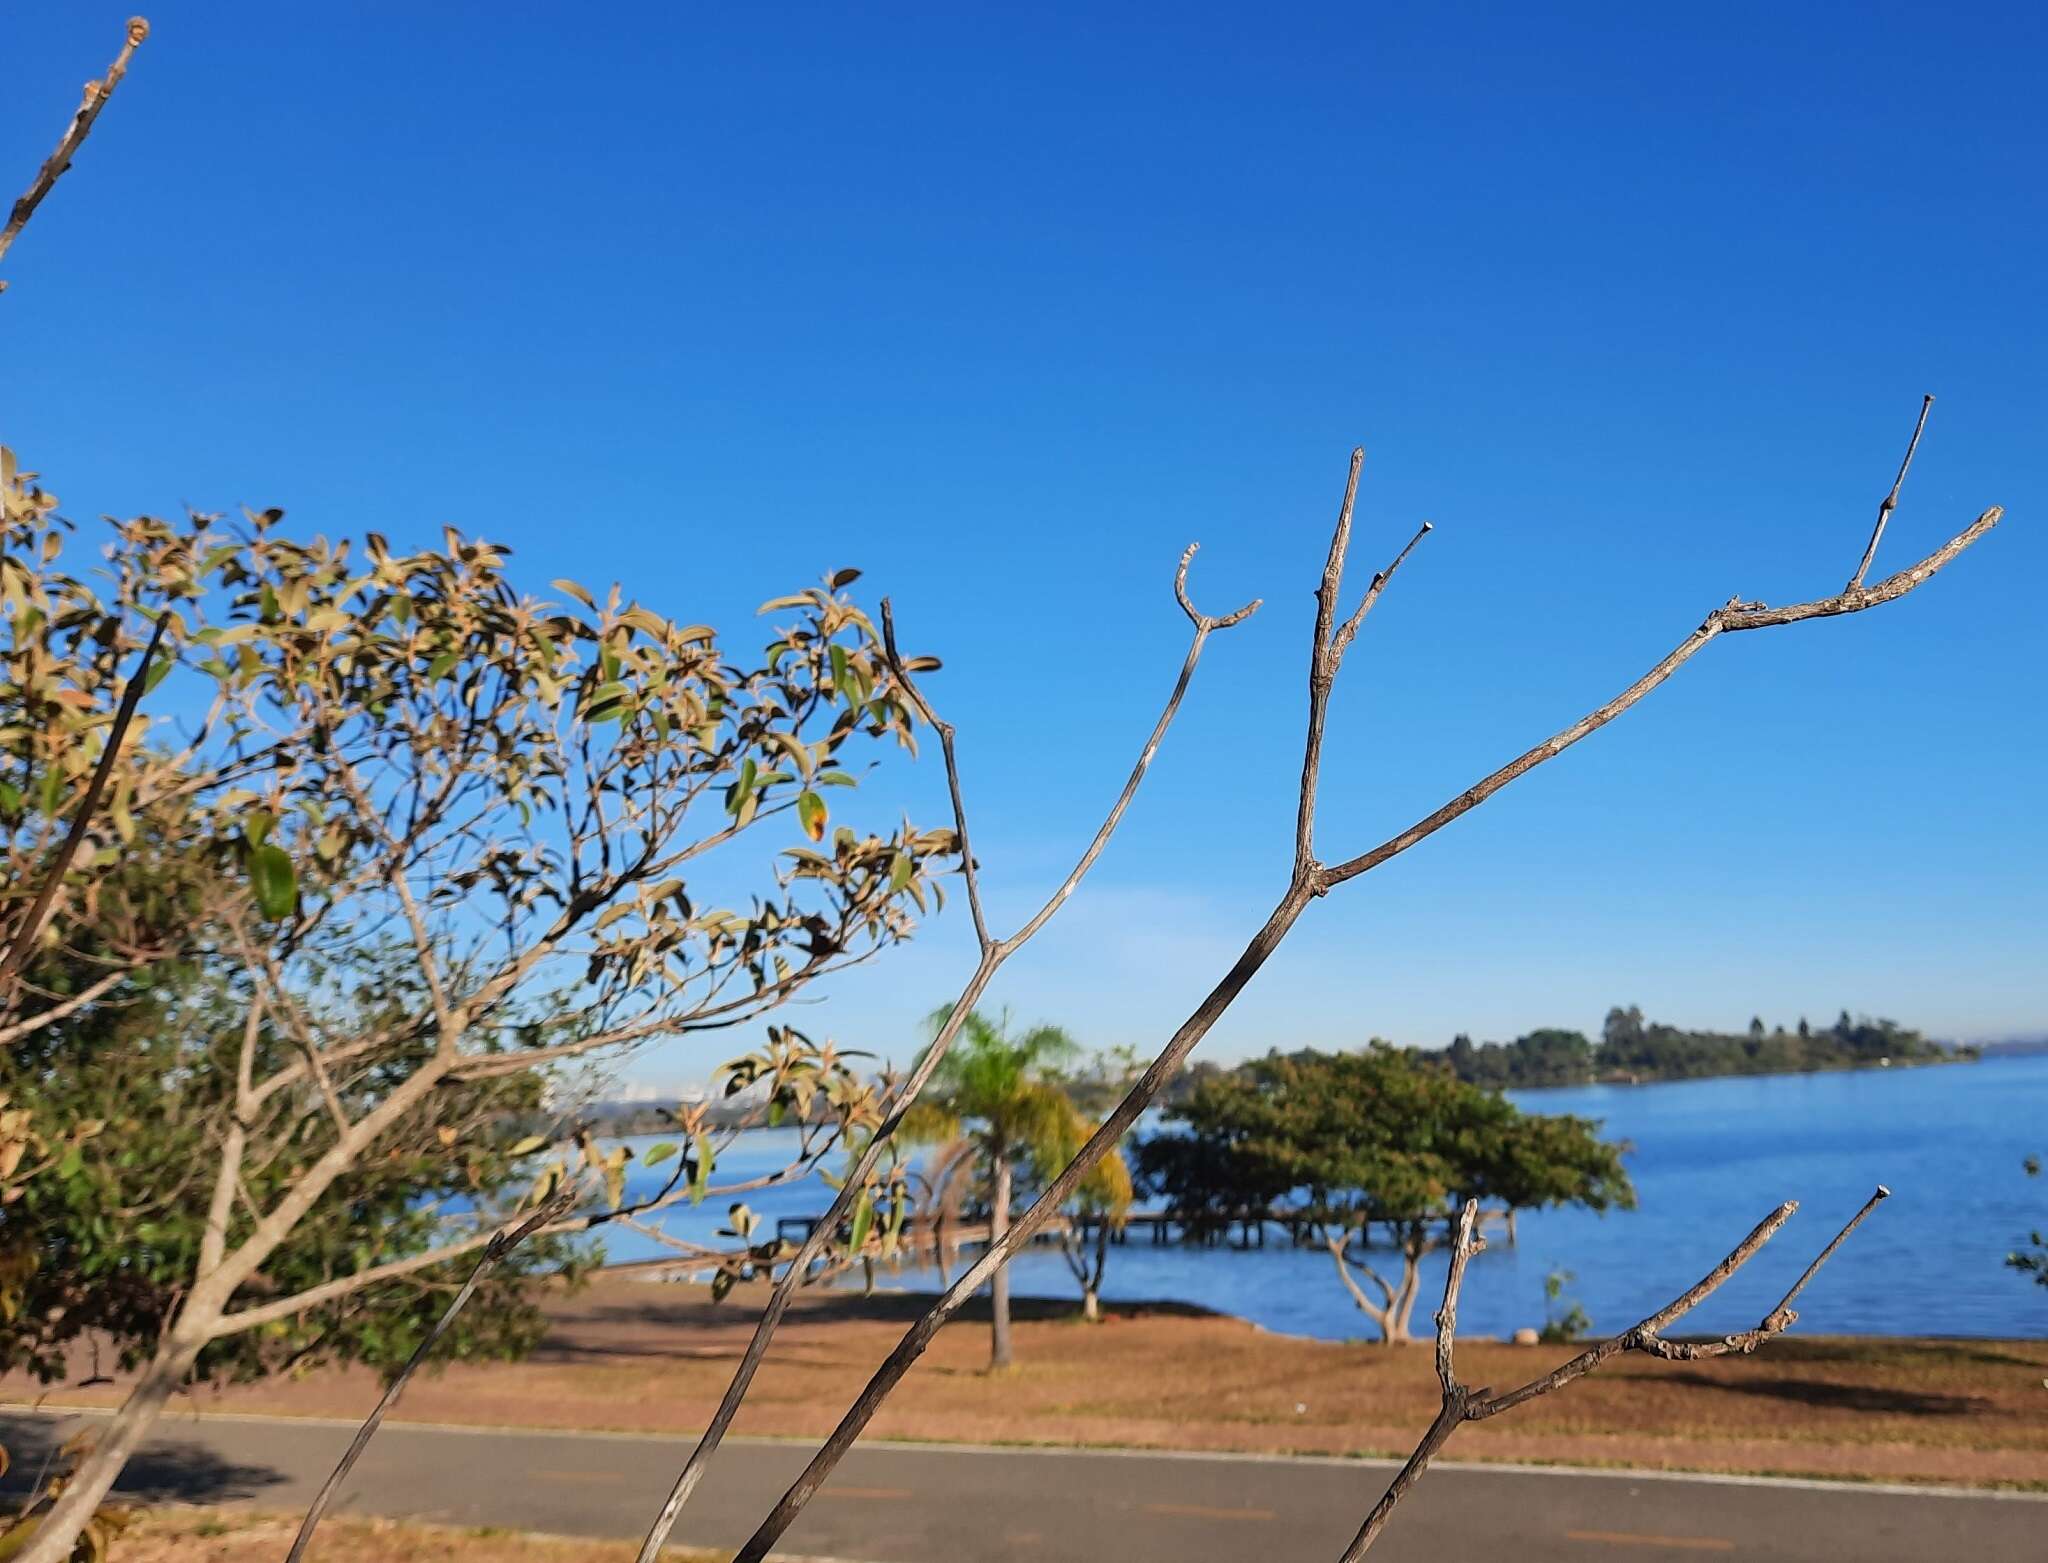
x=839, y=578
x=901, y=867
x=275, y=884
x=578, y=592
x=657, y=1154
x=527, y=1146
x=157, y=671
x=257, y=827
x=810, y=813
x=700, y=1179
x=439, y=666
x=742, y=788
x=863, y=1218
x=607, y=700
x=721, y=1284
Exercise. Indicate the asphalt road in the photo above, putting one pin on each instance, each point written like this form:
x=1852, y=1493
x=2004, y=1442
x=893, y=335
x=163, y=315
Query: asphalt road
x=912, y=1503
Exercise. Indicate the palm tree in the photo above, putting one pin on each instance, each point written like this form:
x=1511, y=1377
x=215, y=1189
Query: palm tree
x=996, y=1103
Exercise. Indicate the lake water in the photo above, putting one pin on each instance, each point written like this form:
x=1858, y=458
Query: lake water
x=1711, y=1158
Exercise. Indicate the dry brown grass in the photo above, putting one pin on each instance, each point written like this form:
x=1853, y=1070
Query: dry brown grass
x=179, y=1535
x=631, y=1355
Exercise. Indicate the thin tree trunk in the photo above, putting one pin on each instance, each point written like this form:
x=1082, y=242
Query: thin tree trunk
x=1404, y=1299
x=999, y=1283
x=1383, y=1317
x=1091, y=1291
x=67, y=1518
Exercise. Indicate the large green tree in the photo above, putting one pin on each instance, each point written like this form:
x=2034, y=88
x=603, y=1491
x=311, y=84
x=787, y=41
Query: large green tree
x=110, y=1235
x=1379, y=1137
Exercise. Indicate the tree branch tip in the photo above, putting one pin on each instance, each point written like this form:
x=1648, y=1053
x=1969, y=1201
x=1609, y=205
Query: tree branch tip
x=1882, y=1191
x=138, y=29
x=1201, y=620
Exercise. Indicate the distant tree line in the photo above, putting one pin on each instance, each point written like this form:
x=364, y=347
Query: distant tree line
x=1632, y=1048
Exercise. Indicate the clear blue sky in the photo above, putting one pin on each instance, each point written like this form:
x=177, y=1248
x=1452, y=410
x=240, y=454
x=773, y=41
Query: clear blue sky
x=1636, y=305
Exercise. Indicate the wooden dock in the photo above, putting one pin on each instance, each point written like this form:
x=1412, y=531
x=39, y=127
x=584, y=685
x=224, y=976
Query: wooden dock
x=1243, y=1230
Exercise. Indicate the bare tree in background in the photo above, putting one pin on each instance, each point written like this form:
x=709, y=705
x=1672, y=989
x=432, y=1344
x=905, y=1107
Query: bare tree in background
x=1312, y=879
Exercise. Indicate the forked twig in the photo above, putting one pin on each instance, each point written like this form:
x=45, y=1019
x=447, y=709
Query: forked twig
x=493, y=1255
x=993, y=952
x=1461, y=1403
x=96, y=95
x=1309, y=880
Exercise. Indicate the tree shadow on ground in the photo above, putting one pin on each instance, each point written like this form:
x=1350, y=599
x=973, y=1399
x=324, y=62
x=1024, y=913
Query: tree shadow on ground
x=636, y=1329
x=165, y=1471
x=1933, y=1351
x=1869, y=1399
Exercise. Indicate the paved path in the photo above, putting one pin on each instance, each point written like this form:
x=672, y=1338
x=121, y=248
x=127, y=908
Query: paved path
x=913, y=1503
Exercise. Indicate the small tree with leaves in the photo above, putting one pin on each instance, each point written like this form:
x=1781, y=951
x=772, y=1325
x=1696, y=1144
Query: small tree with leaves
x=508, y=800
x=996, y=1106
x=1375, y=1138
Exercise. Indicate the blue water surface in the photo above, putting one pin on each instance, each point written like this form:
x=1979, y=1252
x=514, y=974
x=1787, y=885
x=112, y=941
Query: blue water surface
x=1710, y=1159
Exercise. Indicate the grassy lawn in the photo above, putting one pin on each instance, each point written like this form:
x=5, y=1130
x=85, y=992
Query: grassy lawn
x=634, y=1355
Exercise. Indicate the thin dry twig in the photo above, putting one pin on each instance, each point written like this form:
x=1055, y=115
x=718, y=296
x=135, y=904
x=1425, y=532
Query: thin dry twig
x=53, y=169
x=1309, y=880
x=493, y=1255
x=993, y=952
x=1461, y=1403
x=1890, y=502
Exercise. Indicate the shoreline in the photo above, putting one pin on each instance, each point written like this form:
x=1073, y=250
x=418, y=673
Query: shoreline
x=1637, y=1083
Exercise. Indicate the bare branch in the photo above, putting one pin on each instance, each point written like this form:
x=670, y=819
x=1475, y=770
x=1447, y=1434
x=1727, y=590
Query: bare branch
x=63, y=1007
x=494, y=1253
x=1461, y=1404
x=53, y=169
x=1462, y=1250
x=1776, y=1322
x=1372, y=592
x=993, y=953
x=1735, y=616
x=1586, y=1361
x=213, y=1241
x=1200, y=620
x=1891, y=500
x=1322, y=673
